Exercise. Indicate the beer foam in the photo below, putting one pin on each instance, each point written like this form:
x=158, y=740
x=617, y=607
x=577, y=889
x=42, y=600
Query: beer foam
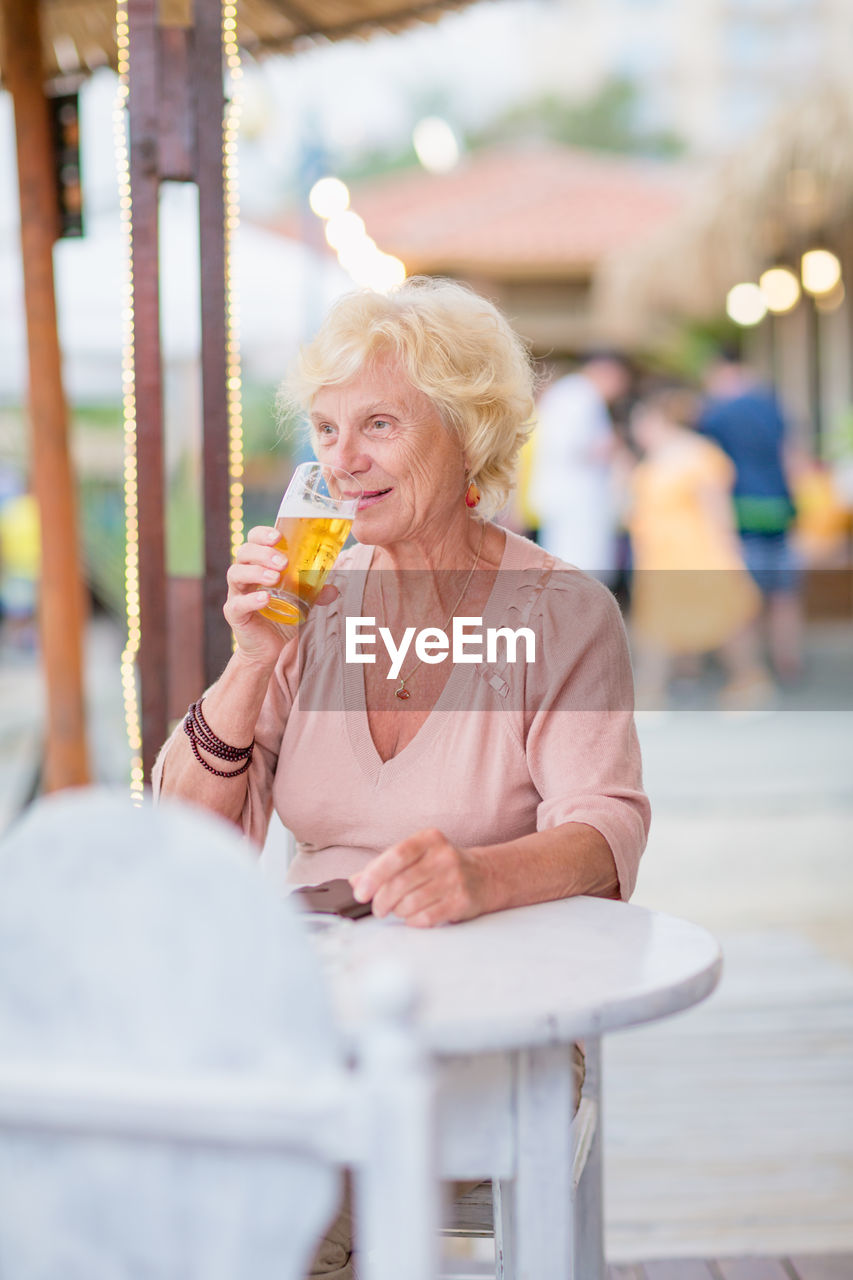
x=301, y=509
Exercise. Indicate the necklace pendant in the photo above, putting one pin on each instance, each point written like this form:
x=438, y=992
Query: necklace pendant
x=402, y=693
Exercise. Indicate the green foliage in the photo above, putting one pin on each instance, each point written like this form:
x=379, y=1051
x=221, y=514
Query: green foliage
x=605, y=122
x=104, y=417
x=691, y=348
x=184, y=530
x=608, y=121
x=374, y=164
x=102, y=532
x=838, y=442
x=260, y=420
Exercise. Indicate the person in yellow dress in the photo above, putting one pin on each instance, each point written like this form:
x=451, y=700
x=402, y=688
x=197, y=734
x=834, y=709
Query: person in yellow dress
x=691, y=591
x=20, y=568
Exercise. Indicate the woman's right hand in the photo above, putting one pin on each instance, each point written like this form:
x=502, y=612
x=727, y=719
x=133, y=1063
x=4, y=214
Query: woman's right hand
x=257, y=567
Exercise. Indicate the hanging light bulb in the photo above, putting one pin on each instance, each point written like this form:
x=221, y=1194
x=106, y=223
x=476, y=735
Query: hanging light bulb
x=344, y=230
x=745, y=304
x=780, y=289
x=820, y=270
x=328, y=197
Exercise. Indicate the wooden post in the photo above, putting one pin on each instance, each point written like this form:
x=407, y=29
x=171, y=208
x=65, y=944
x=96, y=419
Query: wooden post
x=61, y=603
x=815, y=374
x=209, y=106
x=176, y=110
x=144, y=109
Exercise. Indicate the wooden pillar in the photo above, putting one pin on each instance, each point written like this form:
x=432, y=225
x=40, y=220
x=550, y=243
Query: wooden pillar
x=209, y=109
x=815, y=373
x=144, y=110
x=62, y=599
x=176, y=105
x=846, y=254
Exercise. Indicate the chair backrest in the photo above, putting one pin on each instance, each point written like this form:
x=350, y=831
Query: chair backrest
x=174, y=1097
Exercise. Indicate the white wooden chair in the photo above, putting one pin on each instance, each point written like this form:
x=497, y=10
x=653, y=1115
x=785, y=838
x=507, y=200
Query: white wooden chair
x=174, y=1099
x=488, y=1209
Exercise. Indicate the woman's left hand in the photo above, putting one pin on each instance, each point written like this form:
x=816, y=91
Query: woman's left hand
x=425, y=880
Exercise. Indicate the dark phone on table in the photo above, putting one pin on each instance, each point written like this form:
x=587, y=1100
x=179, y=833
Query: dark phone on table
x=332, y=897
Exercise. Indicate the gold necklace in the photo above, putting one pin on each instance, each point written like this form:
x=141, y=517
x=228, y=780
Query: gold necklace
x=401, y=691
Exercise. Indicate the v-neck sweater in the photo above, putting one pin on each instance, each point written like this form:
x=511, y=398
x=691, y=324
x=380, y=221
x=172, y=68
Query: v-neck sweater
x=508, y=749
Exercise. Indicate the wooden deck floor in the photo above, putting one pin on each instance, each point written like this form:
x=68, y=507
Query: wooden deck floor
x=810, y=1267
x=729, y=1130
x=836, y=1266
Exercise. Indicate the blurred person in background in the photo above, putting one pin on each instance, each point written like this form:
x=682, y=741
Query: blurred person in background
x=20, y=570
x=522, y=516
x=572, y=486
x=691, y=592
x=745, y=419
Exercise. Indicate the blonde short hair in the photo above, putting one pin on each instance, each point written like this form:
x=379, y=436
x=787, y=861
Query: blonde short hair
x=456, y=348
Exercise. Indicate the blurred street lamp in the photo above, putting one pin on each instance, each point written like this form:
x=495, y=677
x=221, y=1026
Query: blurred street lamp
x=820, y=270
x=745, y=304
x=435, y=144
x=780, y=289
x=328, y=197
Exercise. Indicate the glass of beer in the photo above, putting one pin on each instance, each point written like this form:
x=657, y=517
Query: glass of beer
x=314, y=521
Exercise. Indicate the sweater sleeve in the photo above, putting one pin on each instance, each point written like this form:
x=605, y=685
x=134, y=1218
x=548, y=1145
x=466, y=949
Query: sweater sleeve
x=581, y=741
x=269, y=729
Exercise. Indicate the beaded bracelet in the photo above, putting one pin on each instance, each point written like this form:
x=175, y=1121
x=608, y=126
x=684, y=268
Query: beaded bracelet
x=199, y=733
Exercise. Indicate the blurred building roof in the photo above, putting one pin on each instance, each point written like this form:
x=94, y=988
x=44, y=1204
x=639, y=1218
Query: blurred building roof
x=540, y=211
x=79, y=35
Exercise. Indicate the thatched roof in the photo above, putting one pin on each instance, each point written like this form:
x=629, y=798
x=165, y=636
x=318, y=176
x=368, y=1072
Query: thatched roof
x=79, y=35
x=788, y=184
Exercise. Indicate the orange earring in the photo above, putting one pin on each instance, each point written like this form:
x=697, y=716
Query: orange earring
x=472, y=495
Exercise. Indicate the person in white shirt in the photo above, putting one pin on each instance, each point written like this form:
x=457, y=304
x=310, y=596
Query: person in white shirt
x=572, y=485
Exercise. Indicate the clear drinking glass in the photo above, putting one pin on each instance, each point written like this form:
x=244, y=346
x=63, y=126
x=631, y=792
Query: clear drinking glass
x=314, y=521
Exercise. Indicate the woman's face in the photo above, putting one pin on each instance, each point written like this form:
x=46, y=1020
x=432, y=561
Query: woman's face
x=389, y=436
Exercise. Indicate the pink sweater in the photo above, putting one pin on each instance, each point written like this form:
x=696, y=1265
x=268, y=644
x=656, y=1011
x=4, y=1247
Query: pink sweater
x=508, y=750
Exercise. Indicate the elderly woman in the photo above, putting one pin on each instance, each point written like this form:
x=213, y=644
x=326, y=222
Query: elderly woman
x=454, y=788
x=499, y=783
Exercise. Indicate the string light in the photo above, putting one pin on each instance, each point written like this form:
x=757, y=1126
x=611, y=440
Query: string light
x=130, y=693
x=234, y=383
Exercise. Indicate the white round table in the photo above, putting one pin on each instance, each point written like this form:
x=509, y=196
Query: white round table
x=502, y=1001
